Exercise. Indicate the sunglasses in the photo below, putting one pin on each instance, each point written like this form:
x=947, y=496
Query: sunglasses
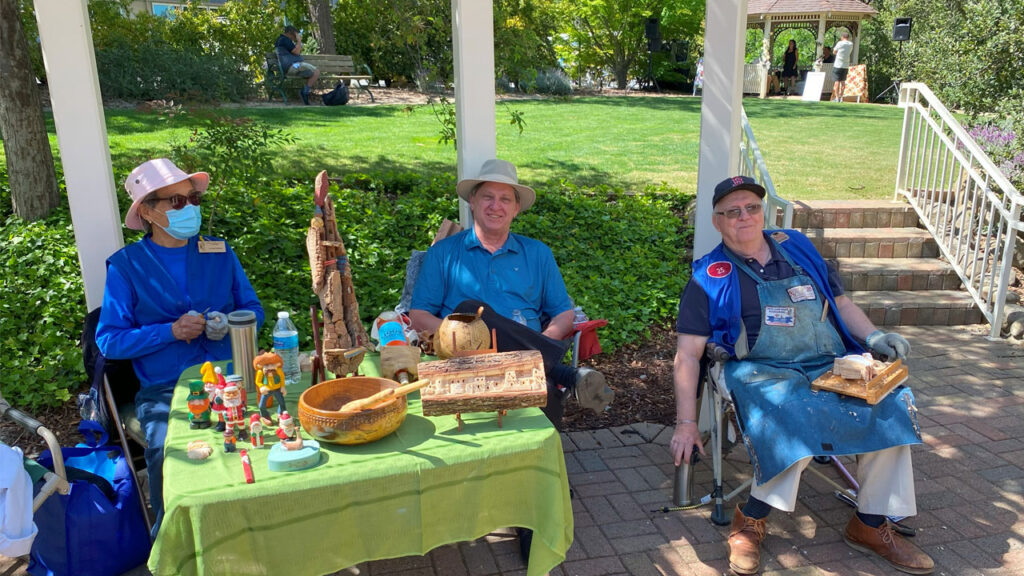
x=734, y=213
x=178, y=201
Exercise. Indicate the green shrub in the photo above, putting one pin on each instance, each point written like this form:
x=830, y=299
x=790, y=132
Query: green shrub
x=552, y=81
x=622, y=257
x=41, y=310
x=155, y=69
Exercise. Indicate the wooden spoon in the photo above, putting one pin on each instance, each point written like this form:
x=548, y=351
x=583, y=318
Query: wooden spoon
x=371, y=402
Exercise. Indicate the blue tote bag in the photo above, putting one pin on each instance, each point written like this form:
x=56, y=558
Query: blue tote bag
x=97, y=529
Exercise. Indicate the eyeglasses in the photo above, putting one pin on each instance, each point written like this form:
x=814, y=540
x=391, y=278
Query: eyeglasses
x=178, y=201
x=734, y=213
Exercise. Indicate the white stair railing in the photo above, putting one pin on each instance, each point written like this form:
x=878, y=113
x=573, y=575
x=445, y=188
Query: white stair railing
x=778, y=212
x=965, y=202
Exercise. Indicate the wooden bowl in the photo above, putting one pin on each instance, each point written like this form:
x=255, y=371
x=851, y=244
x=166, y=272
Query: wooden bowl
x=319, y=415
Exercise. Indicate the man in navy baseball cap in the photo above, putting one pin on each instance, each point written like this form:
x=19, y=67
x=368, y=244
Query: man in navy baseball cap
x=734, y=183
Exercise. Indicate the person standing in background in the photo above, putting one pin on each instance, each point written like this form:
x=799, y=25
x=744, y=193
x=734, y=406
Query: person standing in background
x=841, y=65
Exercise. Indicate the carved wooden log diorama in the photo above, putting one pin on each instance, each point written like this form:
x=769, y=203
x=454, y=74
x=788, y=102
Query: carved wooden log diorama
x=483, y=383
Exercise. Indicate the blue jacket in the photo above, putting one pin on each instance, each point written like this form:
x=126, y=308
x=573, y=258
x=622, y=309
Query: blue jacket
x=719, y=277
x=142, y=300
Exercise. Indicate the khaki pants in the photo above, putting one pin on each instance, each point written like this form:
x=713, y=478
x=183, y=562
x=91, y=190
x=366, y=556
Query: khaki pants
x=886, y=484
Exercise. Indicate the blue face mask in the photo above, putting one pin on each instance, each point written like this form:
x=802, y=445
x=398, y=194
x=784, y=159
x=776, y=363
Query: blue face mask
x=183, y=224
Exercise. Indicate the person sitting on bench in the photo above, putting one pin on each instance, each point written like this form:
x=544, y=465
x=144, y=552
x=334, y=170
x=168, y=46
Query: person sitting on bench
x=289, y=52
x=774, y=304
x=507, y=273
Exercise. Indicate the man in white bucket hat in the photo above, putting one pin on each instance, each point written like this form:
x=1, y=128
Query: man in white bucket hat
x=167, y=298
x=514, y=277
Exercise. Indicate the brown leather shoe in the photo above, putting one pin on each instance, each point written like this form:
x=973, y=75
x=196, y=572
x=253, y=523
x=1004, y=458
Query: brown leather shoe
x=893, y=548
x=745, y=537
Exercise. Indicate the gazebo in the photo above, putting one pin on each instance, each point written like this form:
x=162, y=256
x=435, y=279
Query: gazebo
x=816, y=16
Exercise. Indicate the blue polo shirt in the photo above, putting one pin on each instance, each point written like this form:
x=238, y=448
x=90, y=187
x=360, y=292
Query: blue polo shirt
x=521, y=275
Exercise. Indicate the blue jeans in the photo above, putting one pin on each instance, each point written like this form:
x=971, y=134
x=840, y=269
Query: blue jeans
x=153, y=406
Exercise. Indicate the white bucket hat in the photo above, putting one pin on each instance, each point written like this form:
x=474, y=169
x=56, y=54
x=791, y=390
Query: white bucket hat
x=151, y=176
x=500, y=171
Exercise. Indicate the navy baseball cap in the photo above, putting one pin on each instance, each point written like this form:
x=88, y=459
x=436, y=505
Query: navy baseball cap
x=730, y=185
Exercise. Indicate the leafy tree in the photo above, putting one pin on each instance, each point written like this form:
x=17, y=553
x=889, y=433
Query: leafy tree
x=322, y=25
x=401, y=40
x=523, y=38
x=30, y=168
x=967, y=51
x=609, y=34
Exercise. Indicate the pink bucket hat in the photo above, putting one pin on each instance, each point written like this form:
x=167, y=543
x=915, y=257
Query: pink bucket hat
x=153, y=175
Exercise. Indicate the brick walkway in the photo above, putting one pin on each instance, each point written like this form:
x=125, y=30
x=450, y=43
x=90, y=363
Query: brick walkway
x=969, y=472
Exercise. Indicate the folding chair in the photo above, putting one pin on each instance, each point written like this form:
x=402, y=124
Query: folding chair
x=717, y=419
x=56, y=481
x=118, y=403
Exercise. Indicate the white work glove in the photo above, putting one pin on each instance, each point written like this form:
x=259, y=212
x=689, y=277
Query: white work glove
x=216, y=325
x=889, y=346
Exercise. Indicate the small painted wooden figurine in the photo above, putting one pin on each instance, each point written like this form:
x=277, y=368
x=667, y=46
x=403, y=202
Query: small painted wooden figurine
x=270, y=381
x=229, y=440
x=217, y=405
x=207, y=372
x=198, y=405
x=256, y=431
x=288, y=432
x=234, y=409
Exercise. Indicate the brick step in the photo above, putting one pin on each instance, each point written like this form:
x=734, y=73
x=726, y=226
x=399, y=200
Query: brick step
x=873, y=242
x=860, y=274
x=918, y=308
x=853, y=214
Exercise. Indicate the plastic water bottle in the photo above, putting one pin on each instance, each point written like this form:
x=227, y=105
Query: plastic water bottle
x=517, y=315
x=286, y=344
x=578, y=316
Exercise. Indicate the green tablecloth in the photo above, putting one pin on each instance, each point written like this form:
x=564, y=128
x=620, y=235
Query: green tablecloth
x=423, y=486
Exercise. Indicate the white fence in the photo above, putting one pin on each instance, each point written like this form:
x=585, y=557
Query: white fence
x=778, y=212
x=965, y=202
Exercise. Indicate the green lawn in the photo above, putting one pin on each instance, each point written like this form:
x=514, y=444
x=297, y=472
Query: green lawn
x=813, y=150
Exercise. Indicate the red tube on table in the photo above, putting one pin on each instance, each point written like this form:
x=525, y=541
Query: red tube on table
x=246, y=466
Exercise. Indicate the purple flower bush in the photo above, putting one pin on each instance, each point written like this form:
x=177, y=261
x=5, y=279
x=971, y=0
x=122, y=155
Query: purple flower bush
x=1004, y=147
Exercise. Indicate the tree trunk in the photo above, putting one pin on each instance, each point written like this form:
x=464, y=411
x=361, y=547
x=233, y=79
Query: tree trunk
x=323, y=25
x=29, y=159
x=621, y=71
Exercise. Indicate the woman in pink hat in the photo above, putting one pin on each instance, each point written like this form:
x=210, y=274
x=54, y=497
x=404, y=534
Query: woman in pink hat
x=167, y=297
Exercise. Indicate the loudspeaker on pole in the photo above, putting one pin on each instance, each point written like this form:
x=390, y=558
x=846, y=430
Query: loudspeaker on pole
x=652, y=31
x=901, y=29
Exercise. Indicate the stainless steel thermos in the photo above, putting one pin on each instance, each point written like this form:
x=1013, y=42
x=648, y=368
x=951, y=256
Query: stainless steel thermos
x=242, y=326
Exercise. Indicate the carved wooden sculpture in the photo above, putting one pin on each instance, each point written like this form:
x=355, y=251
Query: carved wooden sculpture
x=332, y=283
x=483, y=383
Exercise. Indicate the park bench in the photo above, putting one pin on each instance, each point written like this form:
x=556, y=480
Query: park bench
x=333, y=68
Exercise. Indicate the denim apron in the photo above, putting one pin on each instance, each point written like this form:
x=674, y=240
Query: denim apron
x=781, y=417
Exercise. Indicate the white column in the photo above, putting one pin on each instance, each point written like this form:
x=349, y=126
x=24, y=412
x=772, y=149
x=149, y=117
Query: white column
x=854, y=58
x=473, y=50
x=720, y=110
x=82, y=137
x=821, y=37
x=766, y=54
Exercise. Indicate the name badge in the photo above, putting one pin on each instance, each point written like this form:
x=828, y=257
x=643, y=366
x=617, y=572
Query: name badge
x=779, y=316
x=211, y=246
x=801, y=293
